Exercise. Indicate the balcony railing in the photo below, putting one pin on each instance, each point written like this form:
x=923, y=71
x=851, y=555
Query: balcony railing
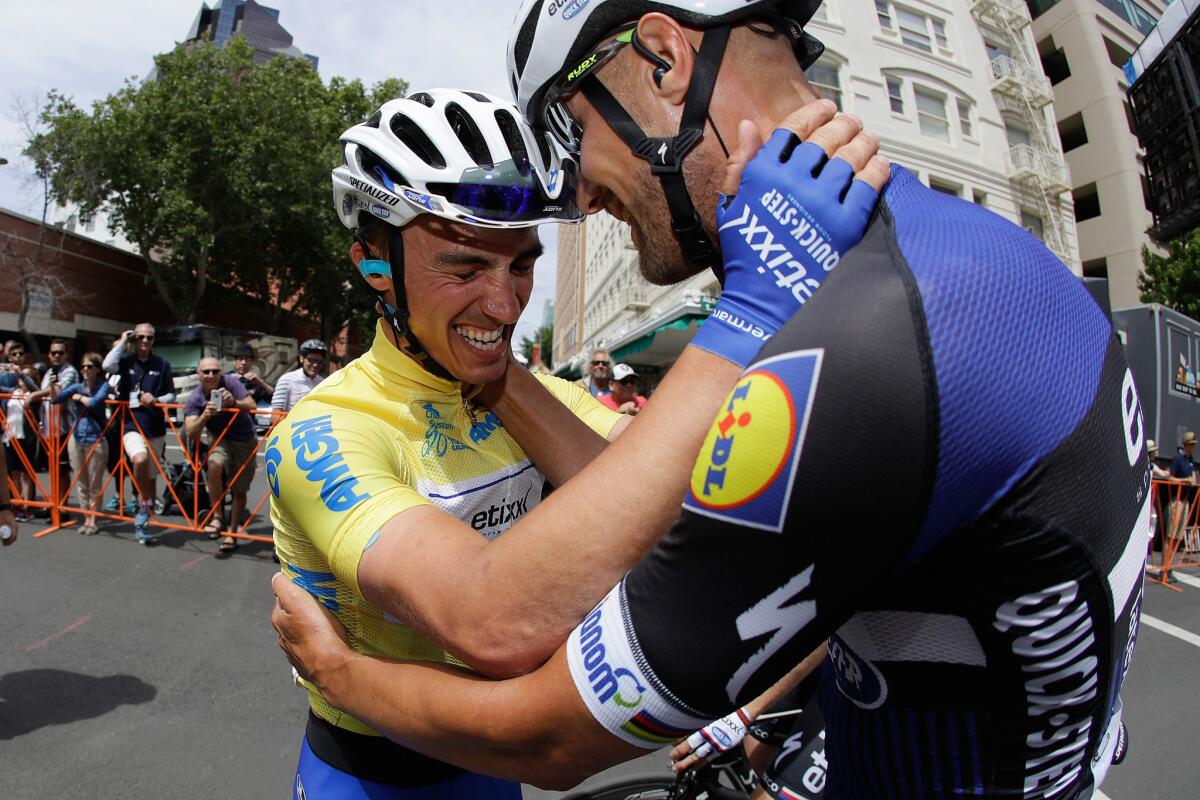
x=1043, y=168
x=1013, y=12
x=1018, y=81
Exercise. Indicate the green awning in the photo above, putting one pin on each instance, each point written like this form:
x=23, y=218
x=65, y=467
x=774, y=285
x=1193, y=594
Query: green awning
x=643, y=342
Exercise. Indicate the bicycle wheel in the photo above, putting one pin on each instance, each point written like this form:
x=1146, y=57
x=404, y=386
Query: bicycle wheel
x=644, y=788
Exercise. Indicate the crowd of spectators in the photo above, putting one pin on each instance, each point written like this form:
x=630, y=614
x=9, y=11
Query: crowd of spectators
x=56, y=402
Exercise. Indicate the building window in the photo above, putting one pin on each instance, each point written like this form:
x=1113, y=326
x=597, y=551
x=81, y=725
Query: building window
x=1116, y=54
x=1016, y=136
x=90, y=225
x=1132, y=13
x=939, y=33
x=1096, y=268
x=1072, y=132
x=1087, y=202
x=896, y=95
x=884, y=15
x=979, y=198
x=945, y=187
x=914, y=30
x=1039, y=7
x=1032, y=222
x=931, y=115
x=824, y=76
x=964, y=118
x=1129, y=117
x=1054, y=61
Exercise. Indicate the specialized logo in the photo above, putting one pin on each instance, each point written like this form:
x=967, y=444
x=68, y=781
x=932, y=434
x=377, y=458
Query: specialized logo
x=437, y=441
x=857, y=679
x=747, y=465
x=316, y=452
x=273, y=458
x=382, y=195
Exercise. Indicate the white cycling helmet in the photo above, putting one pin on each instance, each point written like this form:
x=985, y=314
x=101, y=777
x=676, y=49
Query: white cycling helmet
x=551, y=39
x=465, y=156
x=556, y=46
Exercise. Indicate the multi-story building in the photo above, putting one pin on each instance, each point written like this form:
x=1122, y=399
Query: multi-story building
x=956, y=93
x=258, y=23
x=1083, y=45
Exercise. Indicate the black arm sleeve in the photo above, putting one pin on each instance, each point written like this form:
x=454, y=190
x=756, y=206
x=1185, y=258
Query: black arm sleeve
x=745, y=585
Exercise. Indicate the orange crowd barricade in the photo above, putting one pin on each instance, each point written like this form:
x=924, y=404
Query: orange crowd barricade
x=1177, y=535
x=32, y=436
x=56, y=495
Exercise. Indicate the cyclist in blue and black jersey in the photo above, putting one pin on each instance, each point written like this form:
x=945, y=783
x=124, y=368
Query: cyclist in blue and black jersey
x=980, y=651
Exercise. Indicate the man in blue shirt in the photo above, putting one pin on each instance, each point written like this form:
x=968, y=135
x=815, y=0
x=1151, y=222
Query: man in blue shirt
x=1183, y=467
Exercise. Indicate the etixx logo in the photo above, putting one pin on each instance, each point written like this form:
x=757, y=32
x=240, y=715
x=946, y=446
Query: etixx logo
x=748, y=461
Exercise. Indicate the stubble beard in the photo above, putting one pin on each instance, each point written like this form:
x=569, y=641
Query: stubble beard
x=660, y=256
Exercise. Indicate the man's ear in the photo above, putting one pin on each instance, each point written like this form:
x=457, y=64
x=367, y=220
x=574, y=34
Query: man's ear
x=378, y=283
x=666, y=56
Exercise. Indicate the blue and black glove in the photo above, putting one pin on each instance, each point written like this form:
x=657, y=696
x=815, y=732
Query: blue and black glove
x=795, y=213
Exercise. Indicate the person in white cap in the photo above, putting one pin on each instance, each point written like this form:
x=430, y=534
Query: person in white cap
x=624, y=397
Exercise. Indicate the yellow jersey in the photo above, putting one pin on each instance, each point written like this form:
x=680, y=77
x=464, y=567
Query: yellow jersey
x=377, y=438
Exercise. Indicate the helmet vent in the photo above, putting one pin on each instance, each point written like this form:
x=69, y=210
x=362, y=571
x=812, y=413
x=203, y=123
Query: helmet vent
x=543, y=141
x=376, y=168
x=373, y=121
x=415, y=139
x=469, y=135
x=424, y=98
x=512, y=138
x=524, y=41
x=476, y=96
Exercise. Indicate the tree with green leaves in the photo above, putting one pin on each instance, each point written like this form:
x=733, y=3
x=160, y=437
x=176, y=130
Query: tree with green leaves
x=1173, y=279
x=543, y=336
x=218, y=170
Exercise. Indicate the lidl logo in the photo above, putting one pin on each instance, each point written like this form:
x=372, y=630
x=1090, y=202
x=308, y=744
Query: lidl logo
x=747, y=465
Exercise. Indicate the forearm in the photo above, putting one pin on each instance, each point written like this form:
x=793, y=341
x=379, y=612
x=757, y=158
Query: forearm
x=192, y=427
x=245, y=404
x=169, y=397
x=558, y=441
x=538, y=581
x=113, y=360
x=532, y=729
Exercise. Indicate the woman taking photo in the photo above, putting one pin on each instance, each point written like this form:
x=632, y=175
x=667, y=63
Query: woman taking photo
x=89, y=393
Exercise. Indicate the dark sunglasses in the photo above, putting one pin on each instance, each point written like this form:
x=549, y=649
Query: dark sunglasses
x=210, y=372
x=627, y=381
x=16, y=354
x=58, y=352
x=91, y=366
x=314, y=362
x=144, y=338
x=599, y=363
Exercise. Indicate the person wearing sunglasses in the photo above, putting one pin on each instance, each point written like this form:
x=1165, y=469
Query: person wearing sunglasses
x=624, y=397
x=597, y=381
x=87, y=448
x=59, y=372
x=232, y=443
x=390, y=478
x=144, y=381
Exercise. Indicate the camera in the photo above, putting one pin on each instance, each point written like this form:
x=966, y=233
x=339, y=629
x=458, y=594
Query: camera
x=214, y=397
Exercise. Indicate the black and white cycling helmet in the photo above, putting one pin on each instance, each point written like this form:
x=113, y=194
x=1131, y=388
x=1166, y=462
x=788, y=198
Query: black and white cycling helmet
x=465, y=156
x=556, y=45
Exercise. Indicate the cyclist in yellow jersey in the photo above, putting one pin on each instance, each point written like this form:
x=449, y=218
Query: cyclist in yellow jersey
x=399, y=444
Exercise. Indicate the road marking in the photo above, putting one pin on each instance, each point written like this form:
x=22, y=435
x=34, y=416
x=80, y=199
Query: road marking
x=194, y=562
x=1172, y=630
x=1190, y=580
x=73, y=626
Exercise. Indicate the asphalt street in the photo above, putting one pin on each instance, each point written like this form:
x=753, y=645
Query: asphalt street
x=134, y=672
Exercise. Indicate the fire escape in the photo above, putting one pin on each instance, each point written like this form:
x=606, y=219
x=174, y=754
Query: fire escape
x=1037, y=169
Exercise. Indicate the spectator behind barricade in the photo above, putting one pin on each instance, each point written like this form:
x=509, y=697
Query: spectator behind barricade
x=87, y=396
x=1183, y=466
x=624, y=397
x=235, y=443
x=252, y=382
x=597, y=381
x=18, y=440
x=145, y=382
x=294, y=385
x=11, y=372
x=59, y=373
x=1156, y=472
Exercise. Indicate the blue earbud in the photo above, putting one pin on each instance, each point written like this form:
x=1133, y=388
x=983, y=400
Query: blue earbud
x=374, y=266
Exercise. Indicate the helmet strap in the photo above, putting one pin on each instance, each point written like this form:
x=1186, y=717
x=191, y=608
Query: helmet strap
x=665, y=154
x=397, y=317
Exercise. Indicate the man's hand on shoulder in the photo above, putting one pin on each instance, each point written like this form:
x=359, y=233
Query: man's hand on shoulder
x=790, y=208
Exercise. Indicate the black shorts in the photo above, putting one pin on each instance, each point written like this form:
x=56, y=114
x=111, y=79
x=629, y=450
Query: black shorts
x=798, y=772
